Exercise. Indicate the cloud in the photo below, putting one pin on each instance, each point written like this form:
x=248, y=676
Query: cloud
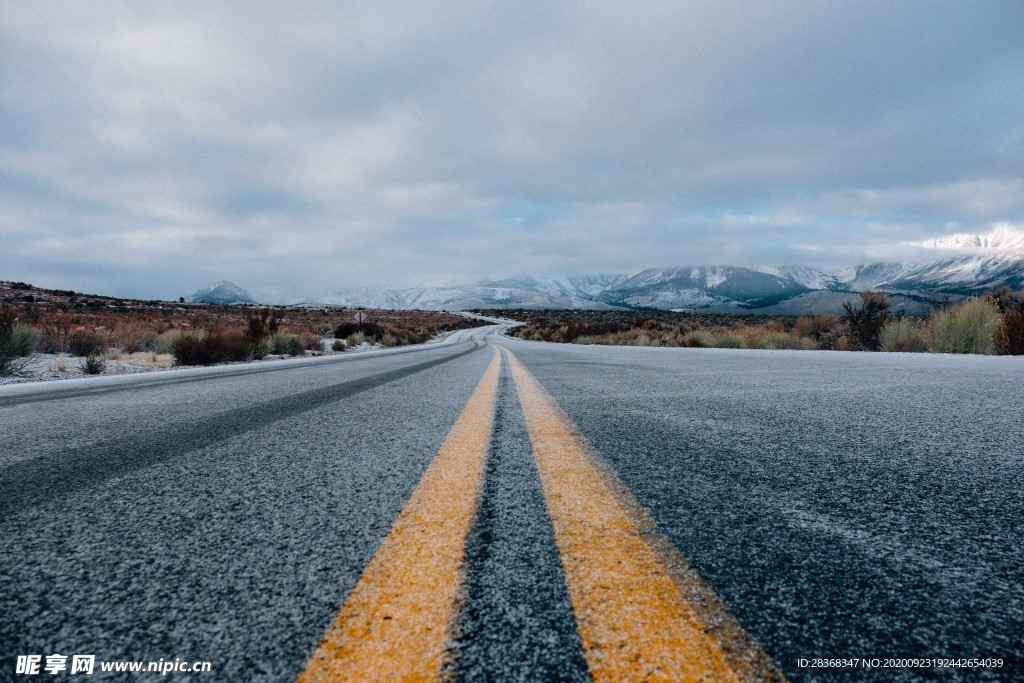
x=152, y=149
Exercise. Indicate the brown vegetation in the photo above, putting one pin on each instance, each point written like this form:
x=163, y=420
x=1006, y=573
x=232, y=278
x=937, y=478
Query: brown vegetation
x=988, y=324
x=88, y=325
x=675, y=329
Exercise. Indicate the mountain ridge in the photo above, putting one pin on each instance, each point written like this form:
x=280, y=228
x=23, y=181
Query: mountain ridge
x=713, y=288
x=968, y=265
x=223, y=292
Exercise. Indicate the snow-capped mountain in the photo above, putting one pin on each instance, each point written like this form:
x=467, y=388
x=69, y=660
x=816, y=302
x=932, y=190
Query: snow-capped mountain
x=223, y=292
x=969, y=265
x=791, y=289
x=1002, y=239
x=704, y=287
x=518, y=292
x=959, y=275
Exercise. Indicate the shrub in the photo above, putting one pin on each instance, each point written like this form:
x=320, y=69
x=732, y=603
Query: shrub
x=22, y=340
x=164, y=343
x=369, y=329
x=773, y=339
x=969, y=328
x=311, y=342
x=9, y=359
x=866, y=322
x=85, y=343
x=191, y=348
x=816, y=327
x=355, y=339
x=262, y=324
x=903, y=334
x=55, y=338
x=94, y=364
x=345, y=329
x=389, y=339
x=804, y=326
x=261, y=348
x=729, y=340
x=338, y=345
x=231, y=345
x=700, y=339
x=206, y=348
x=131, y=337
x=1009, y=339
x=287, y=344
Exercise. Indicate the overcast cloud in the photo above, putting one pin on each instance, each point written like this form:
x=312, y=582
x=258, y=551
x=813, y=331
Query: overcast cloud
x=148, y=149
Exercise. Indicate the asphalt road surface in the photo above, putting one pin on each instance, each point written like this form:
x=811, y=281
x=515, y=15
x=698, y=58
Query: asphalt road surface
x=546, y=512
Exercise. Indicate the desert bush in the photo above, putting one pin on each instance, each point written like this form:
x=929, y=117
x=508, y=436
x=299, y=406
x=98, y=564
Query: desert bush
x=22, y=340
x=85, y=343
x=164, y=342
x=55, y=338
x=774, y=339
x=355, y=339
x=969, y=328
x=311, y=342
x=388, y=339
x=903, y=334
x=287, y=344
x=700, y=339
x=132, y=337
x=262, y=324
x=417, y=336
x=1009, y=338
x=232, y=345
x=866, y=322
x=816, y=327
x=345, y=329
x=338, y=345
x=10, y=361
x=94, y=364
x=206, y=348
x=729, y=340
x=369, y=329
x=261, y=348
x=804, y=326
x=191, y=348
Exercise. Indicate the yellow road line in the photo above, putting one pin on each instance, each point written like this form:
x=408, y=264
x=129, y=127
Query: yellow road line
x=395, y=623
x=633, y=619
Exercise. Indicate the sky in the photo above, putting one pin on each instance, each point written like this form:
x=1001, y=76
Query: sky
x=150, y=149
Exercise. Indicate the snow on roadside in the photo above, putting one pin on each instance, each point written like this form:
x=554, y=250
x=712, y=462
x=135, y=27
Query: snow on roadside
x=48, y=367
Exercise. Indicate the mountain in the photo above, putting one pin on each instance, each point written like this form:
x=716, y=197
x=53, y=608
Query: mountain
x=516, y=292
x=960, y=275
x=793, y=290
x=223, y=292
x=964, y=265
x=796, y=290
x=1002, y=239
x=706, y=287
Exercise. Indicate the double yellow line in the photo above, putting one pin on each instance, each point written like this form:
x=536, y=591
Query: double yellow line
x=641, y=611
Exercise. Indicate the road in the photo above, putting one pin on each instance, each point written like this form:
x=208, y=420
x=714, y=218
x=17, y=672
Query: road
x=540, y=512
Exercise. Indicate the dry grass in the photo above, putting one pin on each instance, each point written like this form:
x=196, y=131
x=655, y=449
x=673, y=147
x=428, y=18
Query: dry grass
x=675, y=330
x=88, y=325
